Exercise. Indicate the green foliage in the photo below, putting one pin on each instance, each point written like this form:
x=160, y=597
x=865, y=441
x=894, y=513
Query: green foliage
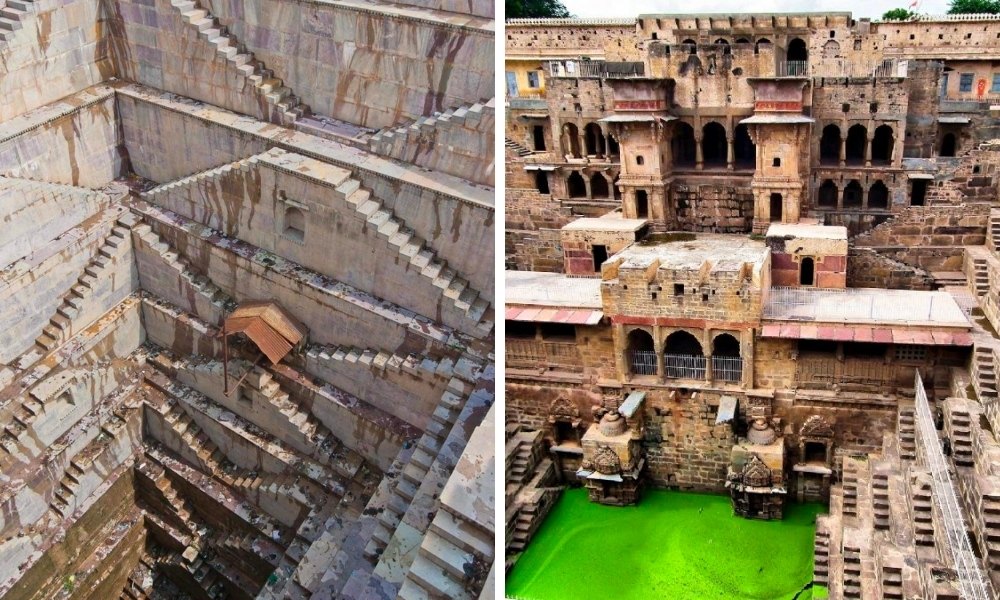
x=898, y=14
x=536, y=9
x=965, y=7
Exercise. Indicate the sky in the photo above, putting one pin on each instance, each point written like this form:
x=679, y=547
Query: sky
x=859, y=8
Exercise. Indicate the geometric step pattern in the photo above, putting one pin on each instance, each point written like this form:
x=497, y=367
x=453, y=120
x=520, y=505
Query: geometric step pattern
x=414, y=250
x=12, y=15
x=516, y=148
x=216, y=301
x=284, y=105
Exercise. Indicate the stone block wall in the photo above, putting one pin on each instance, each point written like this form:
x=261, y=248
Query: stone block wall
x=61, y=48
x=929, y=238
x=451, y=225
x=538, y=250
x=528, y=209
x=155, y=46
x=684, y=447
x=923, y=79
x=616, y=38
x=32, y=292
x=713, y=207
x=75, y=142
x=710, y=77
x=871, y=102
x=333, y=313
x=871, y=269
x=367, y=66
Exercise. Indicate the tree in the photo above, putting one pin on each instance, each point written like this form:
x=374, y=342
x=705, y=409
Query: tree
x=898, y=14
x=964, y=7
x=536, y=9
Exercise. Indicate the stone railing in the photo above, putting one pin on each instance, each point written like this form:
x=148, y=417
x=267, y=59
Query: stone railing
x=535, y=354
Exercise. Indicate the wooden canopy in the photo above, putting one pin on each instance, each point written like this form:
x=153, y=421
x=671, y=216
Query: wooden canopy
x=273, y=330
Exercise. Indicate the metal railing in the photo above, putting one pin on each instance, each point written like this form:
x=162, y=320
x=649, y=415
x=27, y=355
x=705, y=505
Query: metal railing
x=880, y=68
x=727, y=368
x=593, y=68
x=971, y=580
x=684, y=366
x=792, y=68
x=642, y=362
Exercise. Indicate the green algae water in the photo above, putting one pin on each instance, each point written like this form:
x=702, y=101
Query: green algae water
x=672, y=545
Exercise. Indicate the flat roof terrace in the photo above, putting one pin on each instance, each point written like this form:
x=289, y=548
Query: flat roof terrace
x=552, y=298
x=687, y=251
x=866, y=315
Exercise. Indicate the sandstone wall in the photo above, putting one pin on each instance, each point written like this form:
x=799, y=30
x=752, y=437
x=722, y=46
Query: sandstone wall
x=61, y=48
x=365, y=65
x=451, y=225
x=333, y=314
x=614, y=38
x=868, y=268
x=539, y=250
x=74, y=142
x=32, y=291
x=713, y=207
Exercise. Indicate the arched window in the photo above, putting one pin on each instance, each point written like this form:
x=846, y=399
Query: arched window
x=576, y=186
x=713, y=144
x=797, y=51
x=598, y=186
x=829, y=145
x=683, y=145
x=692, y=46
x=613, y=149
x=641, y=204
x=744, y=151
x=853, y=194
x=882, y=145
x=639, y=160
x=807, y=271
x=295, y=224
x=542, y=182
x=777, y=205
x=827, y=196
x=571, y=140
x=742, y=40
x=594, y=139
x=683, y=356
x=725, y=45
x=948, y=145
x=641, y=354
x=727, y=365
x=857, y=140
x=878, y=196
x=759, y=43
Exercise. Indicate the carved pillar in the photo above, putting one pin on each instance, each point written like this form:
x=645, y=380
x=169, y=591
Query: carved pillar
x=661, y=369
x=843, y=150
x=868, y=150
x=699, y=157
x=729, y=153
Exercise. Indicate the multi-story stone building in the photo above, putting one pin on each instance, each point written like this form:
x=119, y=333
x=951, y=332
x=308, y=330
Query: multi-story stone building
x=742, y=250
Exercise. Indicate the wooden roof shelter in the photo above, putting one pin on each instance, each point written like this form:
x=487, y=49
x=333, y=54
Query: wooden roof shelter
x=269, y=327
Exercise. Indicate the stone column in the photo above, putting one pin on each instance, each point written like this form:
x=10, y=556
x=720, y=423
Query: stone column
x=699, y=157
x=619, y=339
x=868, y=150
x=661, y=368
x=843, y=150
x=730, y=151
x=583, y=145
x=586, y=185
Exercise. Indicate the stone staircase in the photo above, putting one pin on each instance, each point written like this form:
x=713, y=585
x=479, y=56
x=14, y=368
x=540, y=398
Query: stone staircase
x=209, y=456
x=210, y=176
x=393, y=141
x=891, y=577
x=516, y=148
x=980, y=278
x=413, y=475
x=284, y=105
x=821, y=553
x=993, y=230
x=880, y=499
x=852, y=571
x=451, y=549
x=958, y=428
x=179, y=505
x=12, y=16
x=215, y=302
x=849, y=486
x=413, y=364
x=59, y=327
x=921, y=508
x=62, y=502
x=194, y=564
x=414, y=250
x=984, y=376
x=906, y=426
x=334, y=454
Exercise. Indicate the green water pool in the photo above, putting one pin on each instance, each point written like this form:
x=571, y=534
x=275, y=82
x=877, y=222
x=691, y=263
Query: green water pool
x=673, y=545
